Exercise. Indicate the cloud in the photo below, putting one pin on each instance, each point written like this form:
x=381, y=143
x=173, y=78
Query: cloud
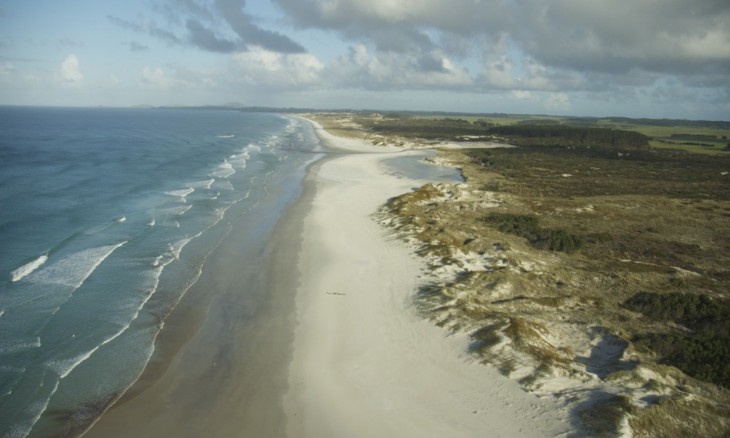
x=462, y=17
x=180, y=80
x=522, y=94
x=675, y=36
x=269, y=69
x=70, y=71
x=571, y=40
x=157, y=78
x=221, y=26
x=362, y=69
x=251, y=34
x=206, y=39
x=404, y=26
x=556, y=53
x=148, y=27
x=557, y=102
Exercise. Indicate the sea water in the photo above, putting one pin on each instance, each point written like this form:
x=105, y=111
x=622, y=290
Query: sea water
x=107, y=220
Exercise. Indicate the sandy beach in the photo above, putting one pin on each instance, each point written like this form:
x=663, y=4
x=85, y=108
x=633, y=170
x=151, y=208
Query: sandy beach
x=337, y=350
x=364, y=363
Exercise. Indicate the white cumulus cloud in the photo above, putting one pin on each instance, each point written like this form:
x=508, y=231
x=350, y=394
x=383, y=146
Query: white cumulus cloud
x=70, y=71
x=156, y=77
x=364, y=69
x=266, y=68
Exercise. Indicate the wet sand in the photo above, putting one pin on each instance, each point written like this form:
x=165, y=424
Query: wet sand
x=220, y=366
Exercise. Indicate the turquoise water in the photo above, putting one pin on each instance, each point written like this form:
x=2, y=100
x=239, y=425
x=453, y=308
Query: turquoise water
x=108, y=218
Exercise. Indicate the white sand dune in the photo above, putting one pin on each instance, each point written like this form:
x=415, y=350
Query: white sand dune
x=364, y=363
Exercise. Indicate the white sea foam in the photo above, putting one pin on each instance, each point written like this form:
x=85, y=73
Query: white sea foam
x=152, y=222
x=184, y=210
x=178, y=246
x=174, y=211
x=11, y=370
x=220, y=213
x=205, y=184
x=27, y=268
x=22, y=430
x=181, y=193
x=224, y=170
x=240, y=161
x=64, y=366
x=74, y=269
x=253, y=147
x=122, y=219
x=172, y=253
x=225, y=136
x=19, y=345
x=224, y=185
x=151, y=289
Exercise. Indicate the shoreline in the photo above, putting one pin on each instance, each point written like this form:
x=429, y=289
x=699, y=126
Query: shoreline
x=364, y=362
x=198, y=383
x=340, y=350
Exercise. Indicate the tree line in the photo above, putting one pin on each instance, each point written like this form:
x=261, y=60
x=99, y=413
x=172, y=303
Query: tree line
x=571, y=136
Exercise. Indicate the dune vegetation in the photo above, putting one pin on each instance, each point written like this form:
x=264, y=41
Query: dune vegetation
x=585, y=263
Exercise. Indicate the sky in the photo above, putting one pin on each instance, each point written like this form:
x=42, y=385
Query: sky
x=635, y=58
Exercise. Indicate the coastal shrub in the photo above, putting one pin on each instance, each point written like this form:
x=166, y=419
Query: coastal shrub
x=691, y=309
x=521, y=225
x=702, y=352
x=528, y=227
x=604, y=414
x=704, y=356
x=535, y=171
x=556, y=240
x=437, y=128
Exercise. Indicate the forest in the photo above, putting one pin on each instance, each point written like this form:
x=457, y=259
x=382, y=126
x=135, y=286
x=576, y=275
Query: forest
x=570, y=136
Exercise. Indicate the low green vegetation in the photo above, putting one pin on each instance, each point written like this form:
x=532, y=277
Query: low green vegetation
x=690, y=309
x=527, y=226
x=703, y=137
x=703, y=351
x=571, y=136
x=564, y=172
x=446, y=128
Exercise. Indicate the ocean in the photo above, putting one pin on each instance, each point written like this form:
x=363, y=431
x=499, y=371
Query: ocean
x=108, y=218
